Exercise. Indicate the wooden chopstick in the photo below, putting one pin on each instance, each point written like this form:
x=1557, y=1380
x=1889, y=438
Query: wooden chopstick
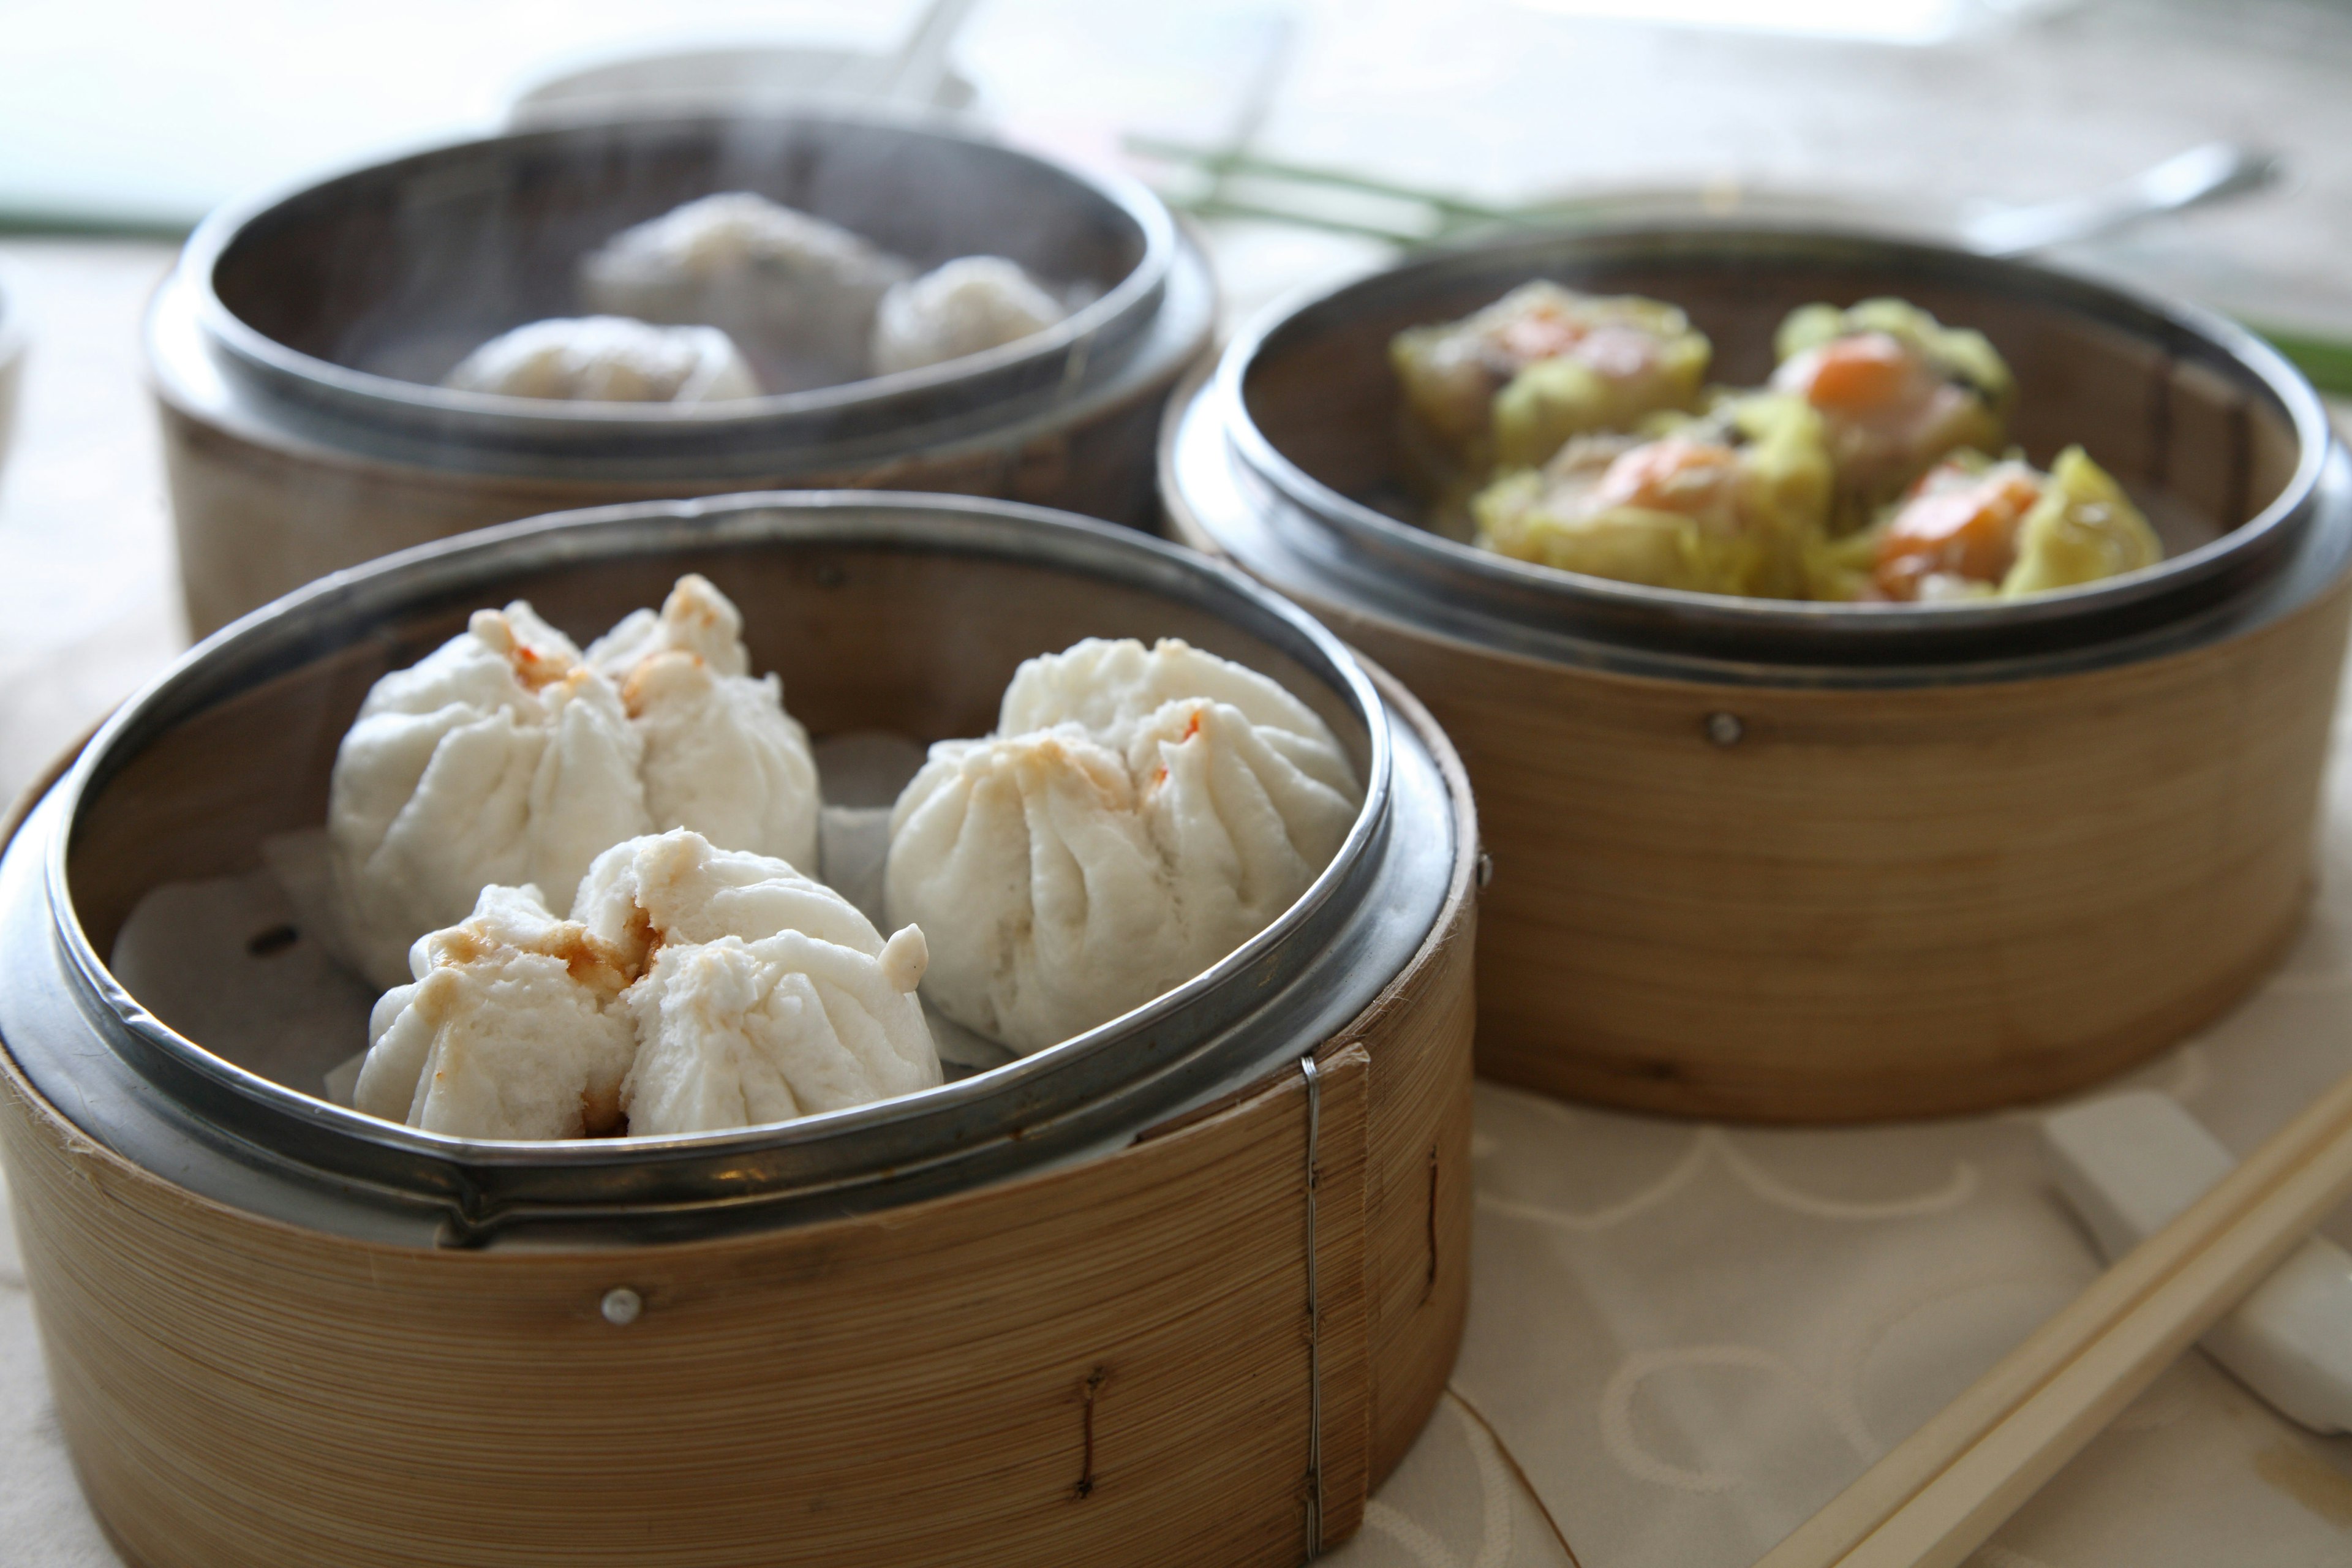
x=1943, y=1490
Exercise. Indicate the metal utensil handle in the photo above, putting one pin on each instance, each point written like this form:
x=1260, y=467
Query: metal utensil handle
x=2214, y=172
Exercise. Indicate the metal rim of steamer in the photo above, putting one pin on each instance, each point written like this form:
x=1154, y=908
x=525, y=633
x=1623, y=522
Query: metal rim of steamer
x=1276, y=515
x=162, y=1099
x=360, y=409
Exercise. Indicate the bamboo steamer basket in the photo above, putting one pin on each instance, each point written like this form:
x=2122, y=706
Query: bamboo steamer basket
x=1806, y=862
x=295, y=350
x=1179, y=1291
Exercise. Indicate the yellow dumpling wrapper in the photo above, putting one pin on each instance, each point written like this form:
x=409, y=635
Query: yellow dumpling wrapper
x=1962, y=351
x=1898, y=392
x=2079, y=527
x=1514, y=382
x=2084, y=530
x=1838, y=567
x=1731, y=504
x=1553, y=401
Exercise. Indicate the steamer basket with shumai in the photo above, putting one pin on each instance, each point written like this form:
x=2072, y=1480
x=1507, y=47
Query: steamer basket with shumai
x=1905, y=691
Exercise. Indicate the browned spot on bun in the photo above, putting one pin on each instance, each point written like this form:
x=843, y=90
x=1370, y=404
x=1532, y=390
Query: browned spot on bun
x=651, y=672
x=536, y=669
x=1106, y=774
x=639, y=941
x=590, y=960
x=600, y=1111
x=693, y=602
x=601, y=966
x=461, y=944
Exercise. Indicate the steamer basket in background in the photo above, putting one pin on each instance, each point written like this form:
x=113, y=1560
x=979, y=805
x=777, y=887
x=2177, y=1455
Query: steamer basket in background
x=294, y=350
x=1177, y=1290
x=1808, y=861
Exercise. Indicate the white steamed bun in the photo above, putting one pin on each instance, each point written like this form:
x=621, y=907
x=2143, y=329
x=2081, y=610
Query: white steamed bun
x=722, y=755
x=508, y=757
x=969, y=306
x=509, y=1030
x=768, y=275
x=694, y=989
x=608, y=359
x=1138, y=816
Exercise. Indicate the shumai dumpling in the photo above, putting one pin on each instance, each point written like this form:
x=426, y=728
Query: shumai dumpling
x=762, y=996
x=776, y=280
x=1512, y=384
x=508, y=1029
x=2084, y=529
x=968, y=306
x=1973, y=528
x=608, y=359
x=694, y=990
x=508, y=757
x=1138, y=816
x=1731, y=503
x=1896, y=391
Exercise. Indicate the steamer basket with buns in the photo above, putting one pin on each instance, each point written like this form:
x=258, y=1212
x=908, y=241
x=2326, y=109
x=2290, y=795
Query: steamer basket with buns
x=1179, y=1290
x=296, y=351
x=1808, y=861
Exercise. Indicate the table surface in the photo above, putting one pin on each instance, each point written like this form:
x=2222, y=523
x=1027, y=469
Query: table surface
x=1683, y=1338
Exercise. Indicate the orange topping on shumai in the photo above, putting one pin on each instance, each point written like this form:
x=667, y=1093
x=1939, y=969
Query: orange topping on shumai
x=1860, y=374
x=1675, y=473
x=1956, y=524
x=1542, y=333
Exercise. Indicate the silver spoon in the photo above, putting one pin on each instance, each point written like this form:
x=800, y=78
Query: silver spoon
x=2214, y=172
x=910, y=73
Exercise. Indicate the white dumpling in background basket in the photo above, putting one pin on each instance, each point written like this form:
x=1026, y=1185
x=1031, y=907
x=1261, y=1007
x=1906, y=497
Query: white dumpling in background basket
x=694, y=990
x=608, y=359
x=1138, y=816
x=508, y=757
x=969, y=306
x=773, y=278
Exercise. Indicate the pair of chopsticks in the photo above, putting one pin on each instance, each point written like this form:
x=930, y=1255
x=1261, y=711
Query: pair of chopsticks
x=1229, y=181
x=1942, y=1492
